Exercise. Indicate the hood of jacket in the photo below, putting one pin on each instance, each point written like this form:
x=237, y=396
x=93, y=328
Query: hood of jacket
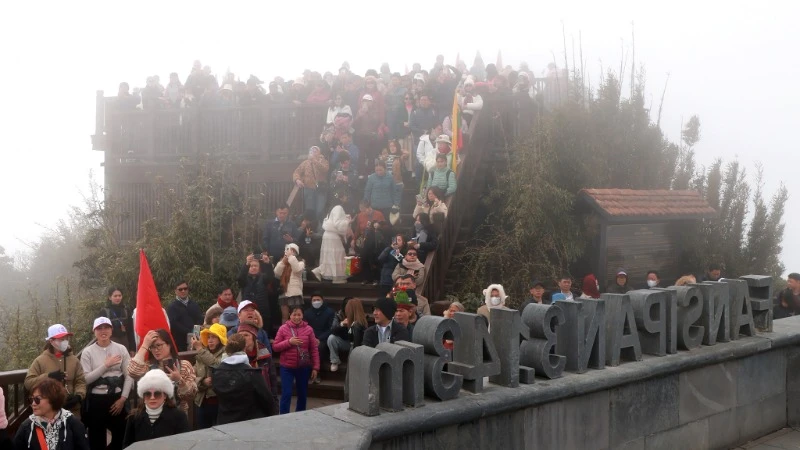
x=236, y=358
x=487, y=294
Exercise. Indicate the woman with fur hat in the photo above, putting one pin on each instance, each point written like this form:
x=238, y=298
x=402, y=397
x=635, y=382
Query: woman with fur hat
x=299, y=359
x=51, y=426
x=157, y=416
x=494, y=296
x=58, y=362
x=210, y=348
x=290, y=270
x=243, y=393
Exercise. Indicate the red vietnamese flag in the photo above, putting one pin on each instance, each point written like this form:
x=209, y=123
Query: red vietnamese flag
x=149, y=314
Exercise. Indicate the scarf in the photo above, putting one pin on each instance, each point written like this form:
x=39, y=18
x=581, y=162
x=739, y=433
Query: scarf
x=154, y=414
x=408, y=265
x=233, y=303
x=51, y=428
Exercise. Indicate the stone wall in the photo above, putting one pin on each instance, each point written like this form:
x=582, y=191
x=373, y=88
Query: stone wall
x=711, y=397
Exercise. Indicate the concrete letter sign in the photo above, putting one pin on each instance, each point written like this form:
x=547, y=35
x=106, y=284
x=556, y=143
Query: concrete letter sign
x=741, y=309
x=690, y=311
x=474, y=355
x=622, y=336
x=650, y=310
x=505, y=336
x=760, y=287
x=672, y=320
x=539, y=351
x=430, y=332
x=582, y=337
x=386, y=377
x=716, y=312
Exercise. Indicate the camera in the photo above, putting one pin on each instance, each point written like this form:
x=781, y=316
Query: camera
x=258, y=256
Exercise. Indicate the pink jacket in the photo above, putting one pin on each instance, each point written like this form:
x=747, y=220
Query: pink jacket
x=3, y=418
x=290, y=354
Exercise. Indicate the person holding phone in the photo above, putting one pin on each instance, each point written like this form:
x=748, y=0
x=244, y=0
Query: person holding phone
x=157, y=352
x=389, y=259
x=299, y=359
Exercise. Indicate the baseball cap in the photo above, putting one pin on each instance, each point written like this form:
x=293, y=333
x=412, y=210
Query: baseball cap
x=57, y=331
x=245, y=304
x=101, y=321
x=622, y=272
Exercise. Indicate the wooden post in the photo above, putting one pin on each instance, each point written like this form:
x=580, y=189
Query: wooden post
x=99, y=137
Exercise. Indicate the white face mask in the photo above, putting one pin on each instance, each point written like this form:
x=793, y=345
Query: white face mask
x=316, y=305
x=63, y=345
x=495, y=301
x=652, y=283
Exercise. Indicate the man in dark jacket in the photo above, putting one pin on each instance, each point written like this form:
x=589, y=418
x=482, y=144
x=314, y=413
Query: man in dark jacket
x=320, y=317
x=788, y=301
x=385, y=328
x=423, y=117
x=257, y=284
x=278, y=233
x=184, y=314
x=241, y=389
x=444, y=88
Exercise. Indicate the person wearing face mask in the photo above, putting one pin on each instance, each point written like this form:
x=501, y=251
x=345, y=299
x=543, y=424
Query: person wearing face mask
x=320, y=317
x=653, y=281
x=590, y=287
x=58, y=362
x=494, y=297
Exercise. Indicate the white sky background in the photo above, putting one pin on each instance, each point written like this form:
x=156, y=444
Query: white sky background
x=734, y=63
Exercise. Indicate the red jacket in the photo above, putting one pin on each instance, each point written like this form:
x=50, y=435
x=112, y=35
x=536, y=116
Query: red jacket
x=290, y=354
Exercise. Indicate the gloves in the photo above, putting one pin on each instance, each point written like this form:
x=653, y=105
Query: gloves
x=72, y=401
x=57, y=375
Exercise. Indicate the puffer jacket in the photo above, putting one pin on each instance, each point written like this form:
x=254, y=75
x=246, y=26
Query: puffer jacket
x=290, y=354
x=445, y=179
x=388, y=263
x=380, y=191
x=205, y=361
x=295, y=286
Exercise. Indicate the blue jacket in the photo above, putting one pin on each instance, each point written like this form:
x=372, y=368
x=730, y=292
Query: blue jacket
x=380, y=191
x=321, y=320
x=352, y=149
x=273, y=241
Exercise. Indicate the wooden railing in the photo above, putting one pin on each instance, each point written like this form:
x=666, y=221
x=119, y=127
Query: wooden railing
x=16, y=404
x=268, y=132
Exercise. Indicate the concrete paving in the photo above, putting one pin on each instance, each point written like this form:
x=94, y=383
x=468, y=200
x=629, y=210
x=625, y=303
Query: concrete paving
x=786, y=438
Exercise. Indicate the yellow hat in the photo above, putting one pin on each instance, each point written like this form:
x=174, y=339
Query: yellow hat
x=216, y=329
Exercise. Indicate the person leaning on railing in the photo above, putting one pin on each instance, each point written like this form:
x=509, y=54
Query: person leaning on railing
x=58, y=362
x=158, y=352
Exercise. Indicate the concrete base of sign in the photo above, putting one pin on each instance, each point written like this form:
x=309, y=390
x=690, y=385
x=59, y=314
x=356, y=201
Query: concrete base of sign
x=716, y=396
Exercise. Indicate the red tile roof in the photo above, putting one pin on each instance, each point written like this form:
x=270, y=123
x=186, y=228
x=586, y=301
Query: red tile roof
x=617, y=203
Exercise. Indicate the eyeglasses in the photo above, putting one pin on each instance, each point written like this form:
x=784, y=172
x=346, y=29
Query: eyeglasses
x=35, y=400
x=156, y=395
x=183, y=289
x=157, y=346
x=411, y=254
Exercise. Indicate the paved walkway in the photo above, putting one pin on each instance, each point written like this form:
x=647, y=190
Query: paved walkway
x=786, y=438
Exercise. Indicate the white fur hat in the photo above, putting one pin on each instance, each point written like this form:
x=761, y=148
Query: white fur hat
x=294, y=247
x=155, y=380
x=487, y=294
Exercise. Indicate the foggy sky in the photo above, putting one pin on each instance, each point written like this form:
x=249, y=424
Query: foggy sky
x=732, y=63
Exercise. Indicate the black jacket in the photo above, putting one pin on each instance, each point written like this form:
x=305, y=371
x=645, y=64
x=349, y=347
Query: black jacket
x=398, y=333
x=182, y=320
x=354, y=334
x=71, y=437
x=138, y=428
x=242, y=393
x=257, y=288
x=321, y=320
x=273, y=241
x=120, y=318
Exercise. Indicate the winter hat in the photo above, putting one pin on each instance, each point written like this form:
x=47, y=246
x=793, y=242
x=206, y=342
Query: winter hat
x=229, y=317
x=367, y=97
x=217, y=330
x=487, y=293
x=402, y=301
x=57, y=331
x=387, y=306
x=248, y=327
x=444, y=138
x=155, y=380
x=101, y=321
x=294, y=247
